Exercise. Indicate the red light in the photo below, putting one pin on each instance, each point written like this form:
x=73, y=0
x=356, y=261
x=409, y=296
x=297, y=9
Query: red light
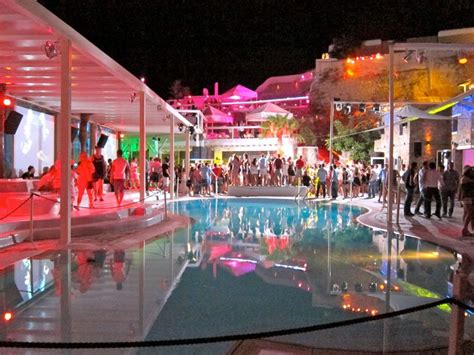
x=7, y=316
x=7, y=102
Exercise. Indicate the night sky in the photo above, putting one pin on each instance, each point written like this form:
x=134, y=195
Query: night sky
x=243, y=42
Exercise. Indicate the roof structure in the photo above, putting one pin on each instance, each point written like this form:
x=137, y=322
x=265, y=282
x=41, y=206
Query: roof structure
x=268, y=109
x=239, y=93
x=100, y=85
x=214, y=115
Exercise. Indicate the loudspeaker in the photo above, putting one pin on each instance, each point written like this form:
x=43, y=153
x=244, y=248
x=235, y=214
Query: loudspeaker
x=102, y=141
x=12, y=122
x=74, y=133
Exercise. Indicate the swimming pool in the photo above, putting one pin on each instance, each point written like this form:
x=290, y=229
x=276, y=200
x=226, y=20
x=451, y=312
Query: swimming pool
x=243, y=266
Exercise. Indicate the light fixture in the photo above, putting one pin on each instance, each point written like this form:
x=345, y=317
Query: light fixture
x=191, y=130
x=180, y=127
x=142, y=79
x=347, y=109
x=338, y=106
x=462, y=58
x=51, y=49
x=408, y=56
x=376, y=108
x=362, y=108
x=420, y=57
x=133, y=97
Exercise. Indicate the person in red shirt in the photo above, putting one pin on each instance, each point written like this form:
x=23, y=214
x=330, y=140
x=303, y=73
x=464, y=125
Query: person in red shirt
x=216, y=175
x=300, y=164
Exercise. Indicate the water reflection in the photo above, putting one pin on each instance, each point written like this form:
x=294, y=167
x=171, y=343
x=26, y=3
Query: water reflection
x=93, y=295
x=319, y=249
x=265, y=265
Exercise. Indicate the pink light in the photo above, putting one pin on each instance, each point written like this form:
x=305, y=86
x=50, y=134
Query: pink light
x=302, y=76
x=142, y=79
x=235, y=97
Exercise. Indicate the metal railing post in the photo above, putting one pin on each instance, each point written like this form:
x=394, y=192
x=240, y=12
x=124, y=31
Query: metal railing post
x=166, y=206
x=31, y=216
x=398, y=200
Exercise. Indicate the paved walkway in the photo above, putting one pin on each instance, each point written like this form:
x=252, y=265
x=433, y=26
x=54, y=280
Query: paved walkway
x=445, y=232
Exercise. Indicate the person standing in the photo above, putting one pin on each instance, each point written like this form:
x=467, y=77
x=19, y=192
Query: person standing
x=118, y=175
x=322, y=176
x=278, y=164
x=449, y=188
x=466, y=195
x=432, y=178
x=420, y=179
x=85, y=172
x=134, y=178
x=334, y=181
x=165, y=168
x=254, y=172
x=284, y=179
x=299, y=164
x=409, y=180
x=206, y=179
x=99, y=174
x=262, y=167
x=383, y=182
x=373, y=180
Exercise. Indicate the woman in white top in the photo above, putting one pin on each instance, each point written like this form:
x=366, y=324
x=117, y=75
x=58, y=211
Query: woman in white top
x=254, y=172
x=284, y=178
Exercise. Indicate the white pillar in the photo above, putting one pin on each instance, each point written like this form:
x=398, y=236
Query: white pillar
x=187, y=155
x=390, y=142
x=171, y=157
x=331, y=131
x=142, y=150
x=65, y=142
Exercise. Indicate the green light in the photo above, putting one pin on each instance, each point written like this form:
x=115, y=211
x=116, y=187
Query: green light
x=423, y=293
x=442, y=108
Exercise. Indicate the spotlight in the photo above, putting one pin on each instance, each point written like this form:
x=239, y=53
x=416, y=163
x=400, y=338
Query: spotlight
x=420, y=57
x=376, y=108
x=338, y=107
x=462, y=58
x=180, y=127
x=50, y=49
x=133, y=97
x=362, y=108
x=191, y=130
x=142, y=79
x=347, y=109
x=408, y=56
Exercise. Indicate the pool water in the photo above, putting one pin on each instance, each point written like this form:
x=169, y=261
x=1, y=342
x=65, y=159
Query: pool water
x=243, y=266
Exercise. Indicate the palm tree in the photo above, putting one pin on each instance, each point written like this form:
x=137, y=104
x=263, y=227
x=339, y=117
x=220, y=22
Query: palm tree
x=278, y=126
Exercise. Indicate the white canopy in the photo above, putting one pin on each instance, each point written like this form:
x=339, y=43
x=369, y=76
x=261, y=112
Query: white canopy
x=411, y=112
x=100, y=85
x=261, y=113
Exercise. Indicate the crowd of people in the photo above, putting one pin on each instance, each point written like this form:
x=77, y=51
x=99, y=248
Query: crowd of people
x=429, y=183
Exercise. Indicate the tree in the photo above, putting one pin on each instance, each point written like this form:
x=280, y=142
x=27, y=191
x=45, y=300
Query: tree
x=178, y=91
x=344, y=46
x=360, y=145
x=278, y=126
